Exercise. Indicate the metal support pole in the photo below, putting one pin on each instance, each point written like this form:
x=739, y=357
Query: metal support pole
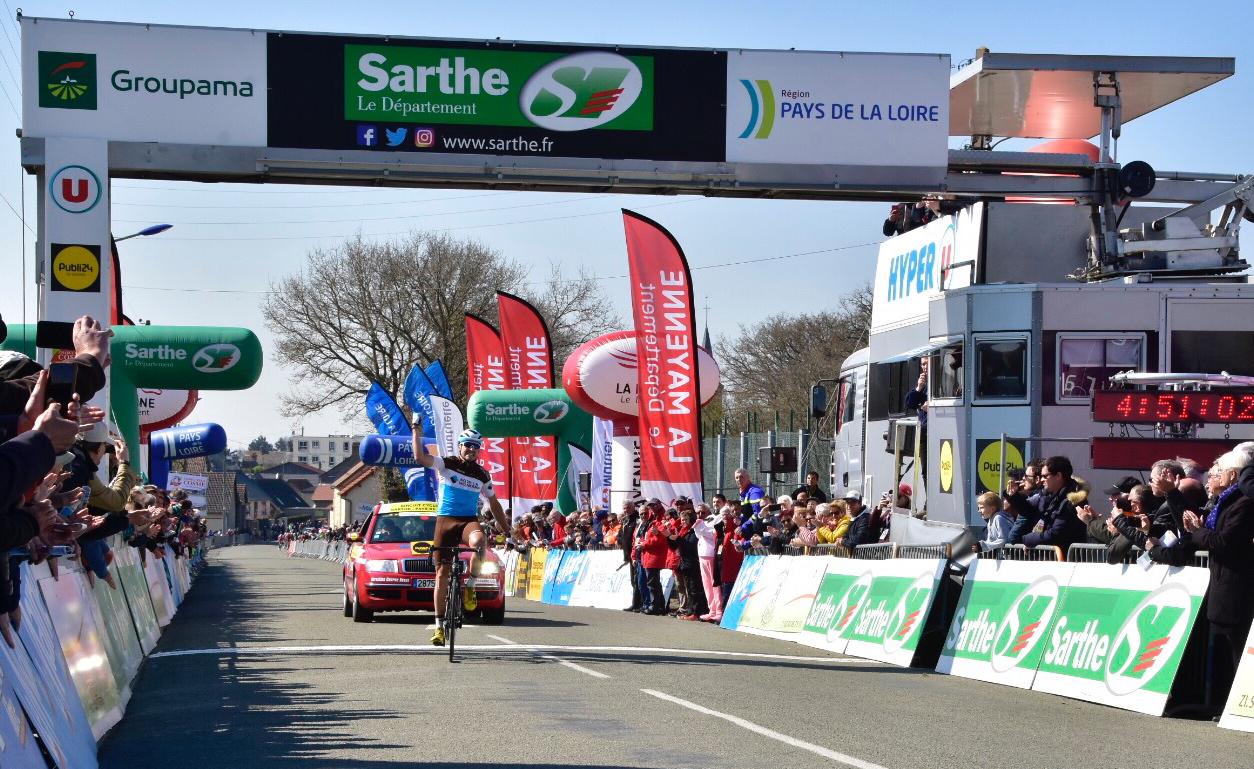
x=744, y=449
x=803, y=445
x=1001, y=468
x=720, y=461
x=770, y=477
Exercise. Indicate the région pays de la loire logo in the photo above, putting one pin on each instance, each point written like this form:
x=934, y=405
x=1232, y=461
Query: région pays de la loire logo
x=581, y=91
x=67, y=80
x=761, y=109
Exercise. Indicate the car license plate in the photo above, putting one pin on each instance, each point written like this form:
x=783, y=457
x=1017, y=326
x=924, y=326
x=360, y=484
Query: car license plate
x=427, y=583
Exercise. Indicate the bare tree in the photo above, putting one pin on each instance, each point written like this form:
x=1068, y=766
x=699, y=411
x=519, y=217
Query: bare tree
x=367, y=311
x=770, y=366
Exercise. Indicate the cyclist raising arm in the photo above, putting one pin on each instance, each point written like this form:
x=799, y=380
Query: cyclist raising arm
x=462, y=482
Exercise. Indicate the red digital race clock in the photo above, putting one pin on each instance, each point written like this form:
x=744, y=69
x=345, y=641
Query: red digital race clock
x=1227, y=406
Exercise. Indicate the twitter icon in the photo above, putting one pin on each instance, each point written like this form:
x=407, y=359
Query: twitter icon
x=396, y=137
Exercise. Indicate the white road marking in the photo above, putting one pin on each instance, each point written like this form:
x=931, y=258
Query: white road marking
x=505, y=646
x=573, y=666
x=558, y=660
x=762, y=730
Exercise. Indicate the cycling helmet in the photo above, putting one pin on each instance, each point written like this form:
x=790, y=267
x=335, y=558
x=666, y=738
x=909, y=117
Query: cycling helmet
x=470, y=438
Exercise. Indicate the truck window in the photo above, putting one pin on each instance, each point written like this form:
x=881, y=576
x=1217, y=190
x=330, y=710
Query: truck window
x=848, y=392
x=945, y=371
x=888, y=384
x=1212, y=352
x=1086, y=361
x=1001, y=369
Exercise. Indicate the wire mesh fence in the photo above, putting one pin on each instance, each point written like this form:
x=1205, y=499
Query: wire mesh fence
x=725, y=452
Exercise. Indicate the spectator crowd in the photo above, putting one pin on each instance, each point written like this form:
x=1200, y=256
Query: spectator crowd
x=53, y=449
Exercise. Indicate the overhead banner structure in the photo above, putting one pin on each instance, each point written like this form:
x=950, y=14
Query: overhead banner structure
x=668, y=383
x=529, y=366
x=485, y=370
x=719, y=120
x=832, y=108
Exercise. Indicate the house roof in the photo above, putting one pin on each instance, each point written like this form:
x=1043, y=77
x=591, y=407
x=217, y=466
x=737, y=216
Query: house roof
x=279, y=492
x=303, y=485
x=323, y=493
x=354, y=477
x=222, y=494
x=337, y=470
x=292, y=468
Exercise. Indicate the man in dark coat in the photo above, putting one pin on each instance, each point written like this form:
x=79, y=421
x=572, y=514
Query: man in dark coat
x=1062, y=527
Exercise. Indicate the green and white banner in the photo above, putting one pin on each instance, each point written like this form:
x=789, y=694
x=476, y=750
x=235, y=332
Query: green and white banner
x=842, y=591
x=1002, y=619
x=1239, y=712
x=1119, y=635
x=890, y=621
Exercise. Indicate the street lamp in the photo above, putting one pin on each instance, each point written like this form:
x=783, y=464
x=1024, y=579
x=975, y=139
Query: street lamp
x=150, y=230
x=117, y=316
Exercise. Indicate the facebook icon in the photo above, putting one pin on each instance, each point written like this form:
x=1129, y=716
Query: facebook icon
x=367, y=136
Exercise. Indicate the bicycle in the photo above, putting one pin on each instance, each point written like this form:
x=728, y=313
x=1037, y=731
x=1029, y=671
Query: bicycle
x=453, y=608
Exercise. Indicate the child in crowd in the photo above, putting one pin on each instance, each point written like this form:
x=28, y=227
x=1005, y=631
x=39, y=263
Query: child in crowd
x=997, y=521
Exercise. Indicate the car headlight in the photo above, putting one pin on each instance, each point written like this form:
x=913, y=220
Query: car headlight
x=489, y=567
x=384, y=566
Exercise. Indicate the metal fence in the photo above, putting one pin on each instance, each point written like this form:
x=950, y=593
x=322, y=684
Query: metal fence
x=725, y=452
x=1022, y=553
x=335, y=552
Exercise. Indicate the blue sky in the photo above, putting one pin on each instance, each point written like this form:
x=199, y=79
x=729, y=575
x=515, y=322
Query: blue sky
x=230, y=241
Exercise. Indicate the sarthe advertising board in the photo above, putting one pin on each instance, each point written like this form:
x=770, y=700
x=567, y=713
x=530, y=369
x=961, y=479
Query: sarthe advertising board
x=1117, y=638
x=841, y=594
x=495, y=98
x=1002, y=620
x=890, y=621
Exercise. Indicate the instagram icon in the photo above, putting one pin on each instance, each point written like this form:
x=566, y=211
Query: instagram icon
x=424, y=137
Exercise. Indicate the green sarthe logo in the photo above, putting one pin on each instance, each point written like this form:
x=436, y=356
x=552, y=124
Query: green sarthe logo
x=67, y=80
x=761, y=109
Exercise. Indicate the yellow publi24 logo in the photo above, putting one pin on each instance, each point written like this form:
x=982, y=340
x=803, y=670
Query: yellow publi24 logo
x=75, y=267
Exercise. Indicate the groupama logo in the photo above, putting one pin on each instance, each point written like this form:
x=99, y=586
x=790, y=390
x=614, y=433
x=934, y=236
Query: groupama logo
x=581, y=91
x=761, y=109
x=1025, y=624
x=1148, y=639
x=67, y=80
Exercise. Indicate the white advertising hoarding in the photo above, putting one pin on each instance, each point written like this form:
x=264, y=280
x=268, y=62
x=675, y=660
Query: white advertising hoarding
x=838, y=108
x=919, y=265
x=138, y=82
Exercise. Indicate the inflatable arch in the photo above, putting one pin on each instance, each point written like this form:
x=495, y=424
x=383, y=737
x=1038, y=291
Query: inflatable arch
x=531, y=413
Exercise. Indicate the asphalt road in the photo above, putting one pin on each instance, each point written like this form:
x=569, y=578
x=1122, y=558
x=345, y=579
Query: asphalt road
x=267, y=688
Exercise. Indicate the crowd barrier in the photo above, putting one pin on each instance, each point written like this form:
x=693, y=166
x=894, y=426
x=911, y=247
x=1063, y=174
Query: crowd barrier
x=321, y=549
x=1112, y=634
x=78, y=650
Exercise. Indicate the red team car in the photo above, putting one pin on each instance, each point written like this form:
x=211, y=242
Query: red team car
x=382, y=573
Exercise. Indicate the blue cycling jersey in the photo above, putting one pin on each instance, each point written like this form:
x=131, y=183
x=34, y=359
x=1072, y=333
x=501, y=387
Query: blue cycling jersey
x=461, y=485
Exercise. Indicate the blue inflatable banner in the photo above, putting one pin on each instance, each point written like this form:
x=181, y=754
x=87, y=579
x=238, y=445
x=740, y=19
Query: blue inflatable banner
x=388, y=451
x=438, y=377
x=383, y=412
x=551, y=566
x=181, y=443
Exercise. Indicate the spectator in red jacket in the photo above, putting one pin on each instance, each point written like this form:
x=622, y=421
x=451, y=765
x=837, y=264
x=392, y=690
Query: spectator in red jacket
x=730, y=552
x=654, y=555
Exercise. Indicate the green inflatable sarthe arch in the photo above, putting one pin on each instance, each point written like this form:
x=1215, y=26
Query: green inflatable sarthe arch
x=166, y=357
x=530, y=413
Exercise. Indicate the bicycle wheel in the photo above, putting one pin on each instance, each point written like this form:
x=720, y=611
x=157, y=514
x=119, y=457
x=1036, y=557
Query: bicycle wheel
x=452, y=610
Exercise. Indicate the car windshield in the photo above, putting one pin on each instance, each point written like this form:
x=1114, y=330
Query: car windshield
x=403, y=527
